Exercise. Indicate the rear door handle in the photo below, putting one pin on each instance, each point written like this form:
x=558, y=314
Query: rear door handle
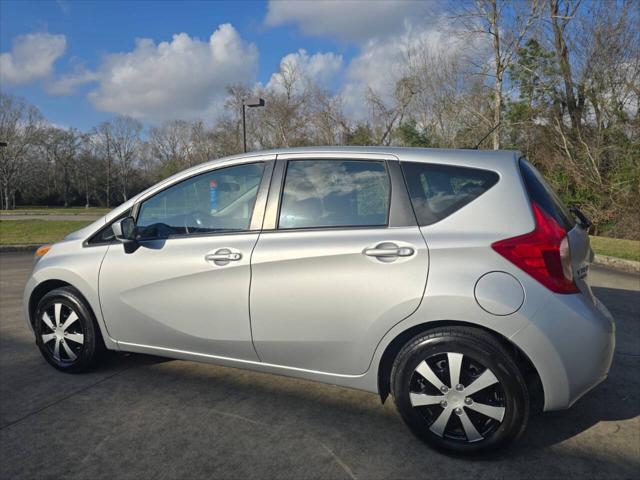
x=389, y=252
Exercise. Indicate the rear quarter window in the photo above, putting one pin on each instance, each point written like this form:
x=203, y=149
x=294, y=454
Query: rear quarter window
x=541, y=193
x=437, y=191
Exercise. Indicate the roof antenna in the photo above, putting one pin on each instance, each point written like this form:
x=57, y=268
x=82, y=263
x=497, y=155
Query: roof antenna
x=485, y=137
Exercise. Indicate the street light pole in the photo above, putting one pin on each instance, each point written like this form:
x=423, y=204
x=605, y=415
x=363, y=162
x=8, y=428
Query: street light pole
x=248, y=102
x=244, y=127
x=6, y=196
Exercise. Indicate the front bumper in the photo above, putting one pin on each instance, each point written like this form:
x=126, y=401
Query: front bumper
x=571, y=341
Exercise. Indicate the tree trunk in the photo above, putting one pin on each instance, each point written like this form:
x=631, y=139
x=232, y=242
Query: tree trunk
x=86, y=189
x=108, y=171
x=65, y=187
x=562, y=54
x=497, y=102
x=124, y=184
x=108, y=180
x=497, y=114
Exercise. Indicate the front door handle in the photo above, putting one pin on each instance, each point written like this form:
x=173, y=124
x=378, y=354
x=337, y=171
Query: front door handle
x=388, y=251
x=223, y=256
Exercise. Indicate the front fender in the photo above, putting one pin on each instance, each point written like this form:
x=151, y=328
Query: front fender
x=77, y=265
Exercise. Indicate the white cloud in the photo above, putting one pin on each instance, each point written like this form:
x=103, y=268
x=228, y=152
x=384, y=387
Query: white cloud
x=320, y=68
x=67, y=84
x=348, y=20
x=182, y=78
x=31, y=58
x=383, y=61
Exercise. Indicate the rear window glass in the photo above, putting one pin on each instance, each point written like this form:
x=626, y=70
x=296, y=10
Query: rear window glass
x=437, y=191
x=541, y=193
x=334, y=193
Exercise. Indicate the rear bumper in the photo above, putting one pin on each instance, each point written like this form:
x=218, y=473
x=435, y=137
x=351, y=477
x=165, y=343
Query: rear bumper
x=571, y=341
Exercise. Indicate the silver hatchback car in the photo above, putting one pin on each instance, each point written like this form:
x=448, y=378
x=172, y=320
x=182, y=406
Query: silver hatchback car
x=453, y=280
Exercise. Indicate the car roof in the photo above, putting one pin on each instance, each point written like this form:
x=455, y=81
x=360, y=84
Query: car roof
x=445, y=155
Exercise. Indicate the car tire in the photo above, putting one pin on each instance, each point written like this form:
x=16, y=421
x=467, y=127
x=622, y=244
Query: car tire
x=66, y=331
x=433, y=381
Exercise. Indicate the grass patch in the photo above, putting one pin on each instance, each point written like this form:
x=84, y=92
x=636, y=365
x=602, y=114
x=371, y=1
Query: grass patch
x=93, y=211
x=22, y=232
x=616, y=247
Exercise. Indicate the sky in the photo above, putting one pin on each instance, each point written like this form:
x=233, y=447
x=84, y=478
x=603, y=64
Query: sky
x=82, y=62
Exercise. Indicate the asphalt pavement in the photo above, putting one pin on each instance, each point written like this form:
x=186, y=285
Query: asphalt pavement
x=147, y=417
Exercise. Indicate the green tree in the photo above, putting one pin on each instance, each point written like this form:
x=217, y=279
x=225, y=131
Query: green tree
x=410, y=136
x=361, y=135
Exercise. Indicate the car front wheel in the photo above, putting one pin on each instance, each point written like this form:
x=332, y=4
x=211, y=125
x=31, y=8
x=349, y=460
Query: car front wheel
x=66, y=332
x=459, y=390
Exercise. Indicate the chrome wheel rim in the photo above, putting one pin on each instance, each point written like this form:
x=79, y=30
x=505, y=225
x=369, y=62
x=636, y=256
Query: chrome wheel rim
x=62, y=333
x=460, y=398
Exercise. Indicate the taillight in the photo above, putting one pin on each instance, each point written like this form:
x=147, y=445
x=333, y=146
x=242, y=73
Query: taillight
x=543, y=253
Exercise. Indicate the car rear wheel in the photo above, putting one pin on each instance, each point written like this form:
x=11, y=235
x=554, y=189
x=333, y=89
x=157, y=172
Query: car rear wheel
x=66, y=331
x=459, y=390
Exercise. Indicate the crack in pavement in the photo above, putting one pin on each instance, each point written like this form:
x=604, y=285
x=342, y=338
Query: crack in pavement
x=339, y=461
x=61, y=399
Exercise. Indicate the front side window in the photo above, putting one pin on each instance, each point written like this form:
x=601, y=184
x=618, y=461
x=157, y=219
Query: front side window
x=216, y=201
x=334, y=193
x=437, y=191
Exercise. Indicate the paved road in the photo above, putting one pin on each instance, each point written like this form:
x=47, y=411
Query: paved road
x=145, y=417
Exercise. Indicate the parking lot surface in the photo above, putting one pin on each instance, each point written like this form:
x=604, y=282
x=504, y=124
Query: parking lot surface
x=147, y=417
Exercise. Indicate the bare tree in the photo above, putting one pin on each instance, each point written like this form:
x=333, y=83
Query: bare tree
x=328, y=123
x=88, y=170
x=387, y=117
x=203, y=147
x=61, y=147
x=20, y=127
x=560, y=15
x=126, y=136
x=102, y=140
x=506, y=23
x=285, y=121
x=171, y=144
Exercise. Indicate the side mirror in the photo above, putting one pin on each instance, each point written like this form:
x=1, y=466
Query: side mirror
x=125, y=230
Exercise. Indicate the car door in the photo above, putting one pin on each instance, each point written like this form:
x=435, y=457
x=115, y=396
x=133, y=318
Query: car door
x=185, y=286
x=339, y=262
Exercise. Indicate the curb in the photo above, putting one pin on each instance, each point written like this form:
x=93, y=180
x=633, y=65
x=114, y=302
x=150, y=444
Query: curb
x=628, y=266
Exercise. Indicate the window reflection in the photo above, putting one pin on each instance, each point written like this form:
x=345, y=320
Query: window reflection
x=219, y=200
x=330, y=193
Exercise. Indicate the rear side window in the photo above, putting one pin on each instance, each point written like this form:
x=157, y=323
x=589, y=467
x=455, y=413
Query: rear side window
x=437, y=191
x=541, y=193
x=334, y=193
